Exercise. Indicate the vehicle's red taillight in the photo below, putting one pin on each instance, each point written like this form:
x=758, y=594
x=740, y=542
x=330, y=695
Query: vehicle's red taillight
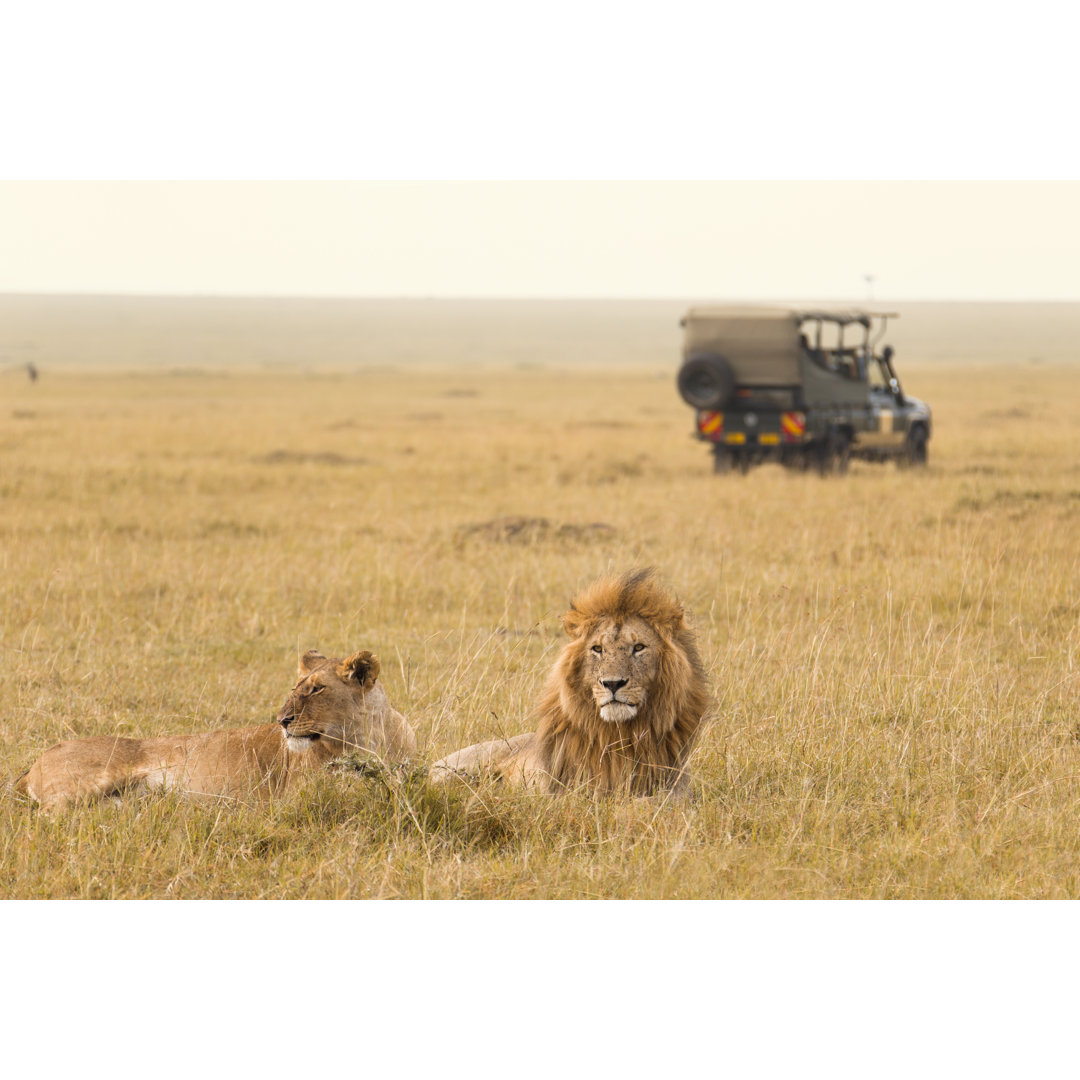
x=793, y=426
x=711, y=425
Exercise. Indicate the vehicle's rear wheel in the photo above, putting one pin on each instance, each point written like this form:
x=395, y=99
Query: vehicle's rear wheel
x=797, y=459
x=832, y=453
x=915, y=447
x=706, y=381
x=841, y=452
x=824, y=456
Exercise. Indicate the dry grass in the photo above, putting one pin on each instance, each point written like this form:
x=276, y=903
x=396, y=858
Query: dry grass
x=895, y=656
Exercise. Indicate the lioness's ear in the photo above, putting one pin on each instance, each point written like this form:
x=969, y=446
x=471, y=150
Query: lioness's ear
x=362, y=666
x=310, y=660
x=573, y=622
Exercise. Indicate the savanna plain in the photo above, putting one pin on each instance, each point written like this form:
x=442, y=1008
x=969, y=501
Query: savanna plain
x=193, y=494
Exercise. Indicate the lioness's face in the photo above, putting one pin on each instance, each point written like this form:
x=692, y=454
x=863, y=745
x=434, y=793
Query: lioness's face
x=330, y=702
x=621, y=662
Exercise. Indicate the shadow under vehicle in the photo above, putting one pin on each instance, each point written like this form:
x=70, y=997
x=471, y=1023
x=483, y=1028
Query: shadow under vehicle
x=804, y=388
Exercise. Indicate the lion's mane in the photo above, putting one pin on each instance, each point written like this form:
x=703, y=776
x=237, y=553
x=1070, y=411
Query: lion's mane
x=649, y=752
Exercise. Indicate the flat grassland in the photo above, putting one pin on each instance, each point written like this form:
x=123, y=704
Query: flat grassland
x=894, y=655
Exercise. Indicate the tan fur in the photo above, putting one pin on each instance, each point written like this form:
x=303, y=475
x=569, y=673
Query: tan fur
x=337, y=706
x=633, y=739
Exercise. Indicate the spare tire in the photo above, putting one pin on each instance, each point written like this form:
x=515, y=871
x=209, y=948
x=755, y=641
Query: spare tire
x=706, y=381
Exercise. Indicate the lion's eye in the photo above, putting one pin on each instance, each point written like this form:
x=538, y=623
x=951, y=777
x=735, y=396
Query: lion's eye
x=316, y=690
x=638, y=647
x=598, y=649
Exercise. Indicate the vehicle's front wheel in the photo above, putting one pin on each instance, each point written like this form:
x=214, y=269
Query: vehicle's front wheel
x=915, y=446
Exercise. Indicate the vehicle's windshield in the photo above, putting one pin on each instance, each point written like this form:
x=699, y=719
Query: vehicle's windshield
x=877, y=376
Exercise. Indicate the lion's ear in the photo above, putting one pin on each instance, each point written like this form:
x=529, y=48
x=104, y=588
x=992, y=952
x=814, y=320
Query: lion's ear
x=673, y=620
x=362, y=666
x=574, y=622
x=310, y=660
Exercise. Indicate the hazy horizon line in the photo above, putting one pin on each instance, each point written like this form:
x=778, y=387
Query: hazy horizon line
x=99, y=294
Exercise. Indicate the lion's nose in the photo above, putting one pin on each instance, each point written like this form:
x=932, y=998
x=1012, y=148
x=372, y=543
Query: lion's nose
x=286, y=718
x=613, y=684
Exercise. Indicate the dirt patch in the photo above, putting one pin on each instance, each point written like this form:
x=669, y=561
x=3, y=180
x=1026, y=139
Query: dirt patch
x=295, y=457
x=1015, y=499
x=516, y=529
x=1006, y=414
x=605, y=425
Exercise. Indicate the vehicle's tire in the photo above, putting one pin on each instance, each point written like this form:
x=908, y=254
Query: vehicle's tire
x=823, y=456
x=841, y=452
x=833, y=453
x=915, y=453
x=706, y=381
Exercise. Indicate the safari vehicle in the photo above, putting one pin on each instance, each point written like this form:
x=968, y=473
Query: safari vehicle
x=805, y=388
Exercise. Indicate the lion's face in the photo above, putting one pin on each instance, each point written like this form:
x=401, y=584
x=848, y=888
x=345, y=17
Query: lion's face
x=331, y=702
x=620, y=661
x=622, y=704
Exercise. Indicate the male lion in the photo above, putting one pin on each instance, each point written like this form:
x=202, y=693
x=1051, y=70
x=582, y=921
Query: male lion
x=335, y=707
x=622, y=704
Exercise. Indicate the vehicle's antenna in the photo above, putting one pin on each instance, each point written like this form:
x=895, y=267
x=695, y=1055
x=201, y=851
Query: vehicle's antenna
x=869, y=279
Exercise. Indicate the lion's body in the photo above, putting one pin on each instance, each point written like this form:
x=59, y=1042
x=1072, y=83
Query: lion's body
x=336, y=706
x=622, y=705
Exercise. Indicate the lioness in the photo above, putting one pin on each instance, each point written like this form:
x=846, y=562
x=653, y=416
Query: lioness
x=622, y=704
x=335, y=707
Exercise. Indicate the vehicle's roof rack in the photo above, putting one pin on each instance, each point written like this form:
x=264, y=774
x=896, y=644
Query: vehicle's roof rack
x=847, y=317
x=732, y=312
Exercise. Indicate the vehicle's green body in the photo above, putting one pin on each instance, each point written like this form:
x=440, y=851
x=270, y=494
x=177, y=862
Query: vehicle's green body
x=783, y=385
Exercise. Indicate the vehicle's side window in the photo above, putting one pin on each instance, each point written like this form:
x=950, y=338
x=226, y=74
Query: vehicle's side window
x=847, y=364
x=824, y=344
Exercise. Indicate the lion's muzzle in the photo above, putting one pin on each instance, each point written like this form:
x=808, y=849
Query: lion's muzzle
x=295, y=740
x=618, y=712
x=615, y=709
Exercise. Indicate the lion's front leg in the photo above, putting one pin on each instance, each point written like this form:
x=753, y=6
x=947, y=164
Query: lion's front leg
x=496, y=755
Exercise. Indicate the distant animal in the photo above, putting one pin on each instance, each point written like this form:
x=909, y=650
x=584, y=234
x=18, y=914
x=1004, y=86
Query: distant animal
x=31, y=369
x=337, y=706
x=622, y=704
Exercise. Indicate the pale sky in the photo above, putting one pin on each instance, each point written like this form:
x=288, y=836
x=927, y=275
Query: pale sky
x=726, y=239
x=486, y=149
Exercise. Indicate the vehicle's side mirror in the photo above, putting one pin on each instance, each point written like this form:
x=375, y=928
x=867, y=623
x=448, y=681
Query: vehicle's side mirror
x=886, y=353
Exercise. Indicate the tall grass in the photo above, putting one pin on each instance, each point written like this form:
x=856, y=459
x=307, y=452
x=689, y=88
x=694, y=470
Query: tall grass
x=895, y=656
